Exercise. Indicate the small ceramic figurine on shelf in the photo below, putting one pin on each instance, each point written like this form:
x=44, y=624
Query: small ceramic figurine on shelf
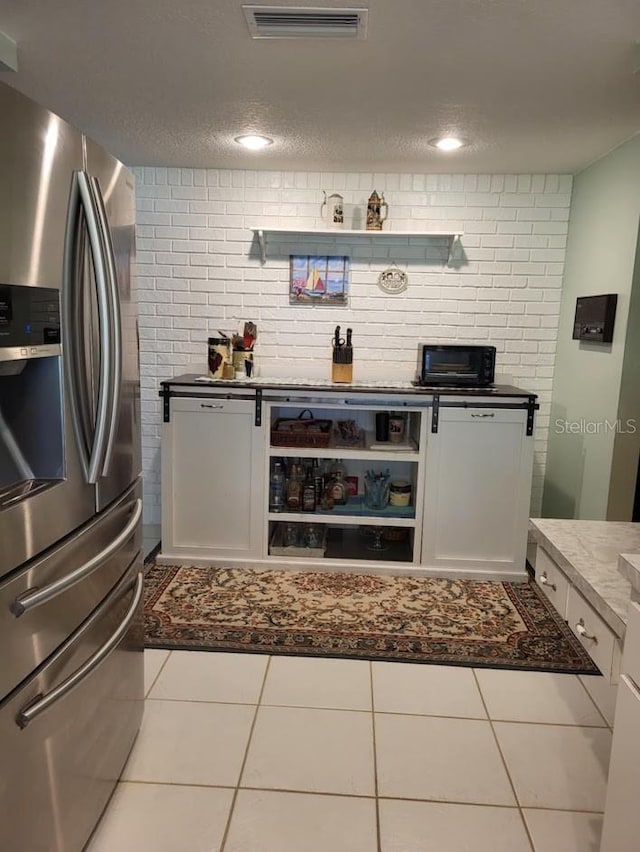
x=375, y=216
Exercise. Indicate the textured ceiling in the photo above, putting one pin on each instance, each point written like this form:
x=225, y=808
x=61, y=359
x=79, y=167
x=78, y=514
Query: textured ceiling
x=535, y=85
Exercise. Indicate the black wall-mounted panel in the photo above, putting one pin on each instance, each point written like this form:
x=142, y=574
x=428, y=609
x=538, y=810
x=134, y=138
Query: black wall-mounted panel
x=594, y=319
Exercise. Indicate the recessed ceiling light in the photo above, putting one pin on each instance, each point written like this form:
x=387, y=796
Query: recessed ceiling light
x=447, y=143
x=253, y=142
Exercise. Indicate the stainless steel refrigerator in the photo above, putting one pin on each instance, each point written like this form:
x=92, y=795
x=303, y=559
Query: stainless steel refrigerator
x=71, y=662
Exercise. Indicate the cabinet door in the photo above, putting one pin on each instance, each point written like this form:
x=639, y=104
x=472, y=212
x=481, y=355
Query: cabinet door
x=622, y=816
x=477, y=492
x=212, y=479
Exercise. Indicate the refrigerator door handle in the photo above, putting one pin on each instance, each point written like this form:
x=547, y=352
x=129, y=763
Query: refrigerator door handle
x=29, y=600
x=43, y=702
x=115, y=330
x=73, y=330
x=98, y=252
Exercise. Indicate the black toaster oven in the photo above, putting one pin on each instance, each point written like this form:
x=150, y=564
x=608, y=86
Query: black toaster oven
x=456, y=365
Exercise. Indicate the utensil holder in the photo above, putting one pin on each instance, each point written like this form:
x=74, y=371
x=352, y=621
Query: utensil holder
x=376, y=490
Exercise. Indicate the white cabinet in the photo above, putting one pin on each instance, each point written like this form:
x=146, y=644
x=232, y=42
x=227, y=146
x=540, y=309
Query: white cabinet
x=552, y=581
x=621, y=828
x=598, y=639
x=212, y=479
x=593, y=634
x=464, y=468
x=477, y=493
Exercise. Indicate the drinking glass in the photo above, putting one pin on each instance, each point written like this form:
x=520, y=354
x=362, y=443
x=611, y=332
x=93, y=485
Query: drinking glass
x=376, y=489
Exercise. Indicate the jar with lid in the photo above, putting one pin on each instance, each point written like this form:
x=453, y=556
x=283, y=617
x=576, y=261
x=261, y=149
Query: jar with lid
x=399, y=492
x=219, y=354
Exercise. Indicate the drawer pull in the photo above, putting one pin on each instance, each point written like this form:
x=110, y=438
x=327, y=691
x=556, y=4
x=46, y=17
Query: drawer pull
x=42, y=702
x=211, y=405
x=545, y=581
x=581, y=630
x=485, y=414
x=36, y=597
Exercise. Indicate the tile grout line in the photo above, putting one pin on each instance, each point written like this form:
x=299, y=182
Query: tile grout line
x=597, y=727
x=244, y=759
x=504, y=763
x=375, y=759
x=159, y=672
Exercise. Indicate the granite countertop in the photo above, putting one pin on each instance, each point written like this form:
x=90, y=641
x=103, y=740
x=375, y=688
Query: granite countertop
x=588, y=551
x=390, y=387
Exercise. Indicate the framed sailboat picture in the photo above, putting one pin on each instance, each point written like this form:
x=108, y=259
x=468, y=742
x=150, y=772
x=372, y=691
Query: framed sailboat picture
x=319, y=279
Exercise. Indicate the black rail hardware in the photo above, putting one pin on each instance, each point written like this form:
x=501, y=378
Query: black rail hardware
x=435, y=413
x=258, y=421
x=531, y=409
x=165, y=393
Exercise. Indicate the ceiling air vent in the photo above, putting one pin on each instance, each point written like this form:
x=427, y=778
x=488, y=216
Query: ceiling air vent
x=305, y=22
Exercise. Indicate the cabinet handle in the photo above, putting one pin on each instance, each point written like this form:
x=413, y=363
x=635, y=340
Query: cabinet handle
x=581, y=630
x=486, y=414
x=211, y=405
x=544, y=581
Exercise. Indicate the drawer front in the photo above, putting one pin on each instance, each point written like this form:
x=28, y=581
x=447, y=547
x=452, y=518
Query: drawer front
x=62, y=764
x=631, y=656
x=594, y=635
x=552, y=581
x=211, y=404
x=105, y=548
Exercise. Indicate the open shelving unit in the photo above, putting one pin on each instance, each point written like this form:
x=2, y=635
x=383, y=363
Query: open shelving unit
x=348, y=530
x=262, y=233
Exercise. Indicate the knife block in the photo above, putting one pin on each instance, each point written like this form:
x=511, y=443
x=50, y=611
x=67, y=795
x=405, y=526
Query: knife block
x=342, y=364
x=342, y=373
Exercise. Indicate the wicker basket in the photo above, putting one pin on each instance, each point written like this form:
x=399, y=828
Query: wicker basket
x=304, y=431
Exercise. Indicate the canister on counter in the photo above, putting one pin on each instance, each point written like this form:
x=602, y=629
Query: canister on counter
x=219, y=355
x=399, y=492
x=397, y=424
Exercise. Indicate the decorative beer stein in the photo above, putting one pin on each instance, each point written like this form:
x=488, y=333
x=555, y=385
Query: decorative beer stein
x=375, y=216
x=332, y=210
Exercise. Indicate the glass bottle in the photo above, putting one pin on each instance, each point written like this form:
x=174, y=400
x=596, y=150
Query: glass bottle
x=337, y=467
x=276, y=488
x=290, y=535
x=311, y=535
x=338, y=488
x=294, y=489
x=309, y=493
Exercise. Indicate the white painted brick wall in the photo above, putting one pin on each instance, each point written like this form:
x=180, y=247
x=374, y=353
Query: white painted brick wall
x=199, y=270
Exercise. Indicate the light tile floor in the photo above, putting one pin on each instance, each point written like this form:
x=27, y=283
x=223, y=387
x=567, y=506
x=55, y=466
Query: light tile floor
x=249, y=753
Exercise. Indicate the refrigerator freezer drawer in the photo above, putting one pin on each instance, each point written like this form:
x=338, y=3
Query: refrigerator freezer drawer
x=43, y=604
x=66, y=733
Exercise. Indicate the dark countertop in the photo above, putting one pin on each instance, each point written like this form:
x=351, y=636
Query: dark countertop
x=193, y=380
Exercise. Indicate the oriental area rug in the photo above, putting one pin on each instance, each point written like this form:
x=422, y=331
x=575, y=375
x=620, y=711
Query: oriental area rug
x=359, y=616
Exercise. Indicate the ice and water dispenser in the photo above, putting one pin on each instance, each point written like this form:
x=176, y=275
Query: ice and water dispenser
x=31, y=391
